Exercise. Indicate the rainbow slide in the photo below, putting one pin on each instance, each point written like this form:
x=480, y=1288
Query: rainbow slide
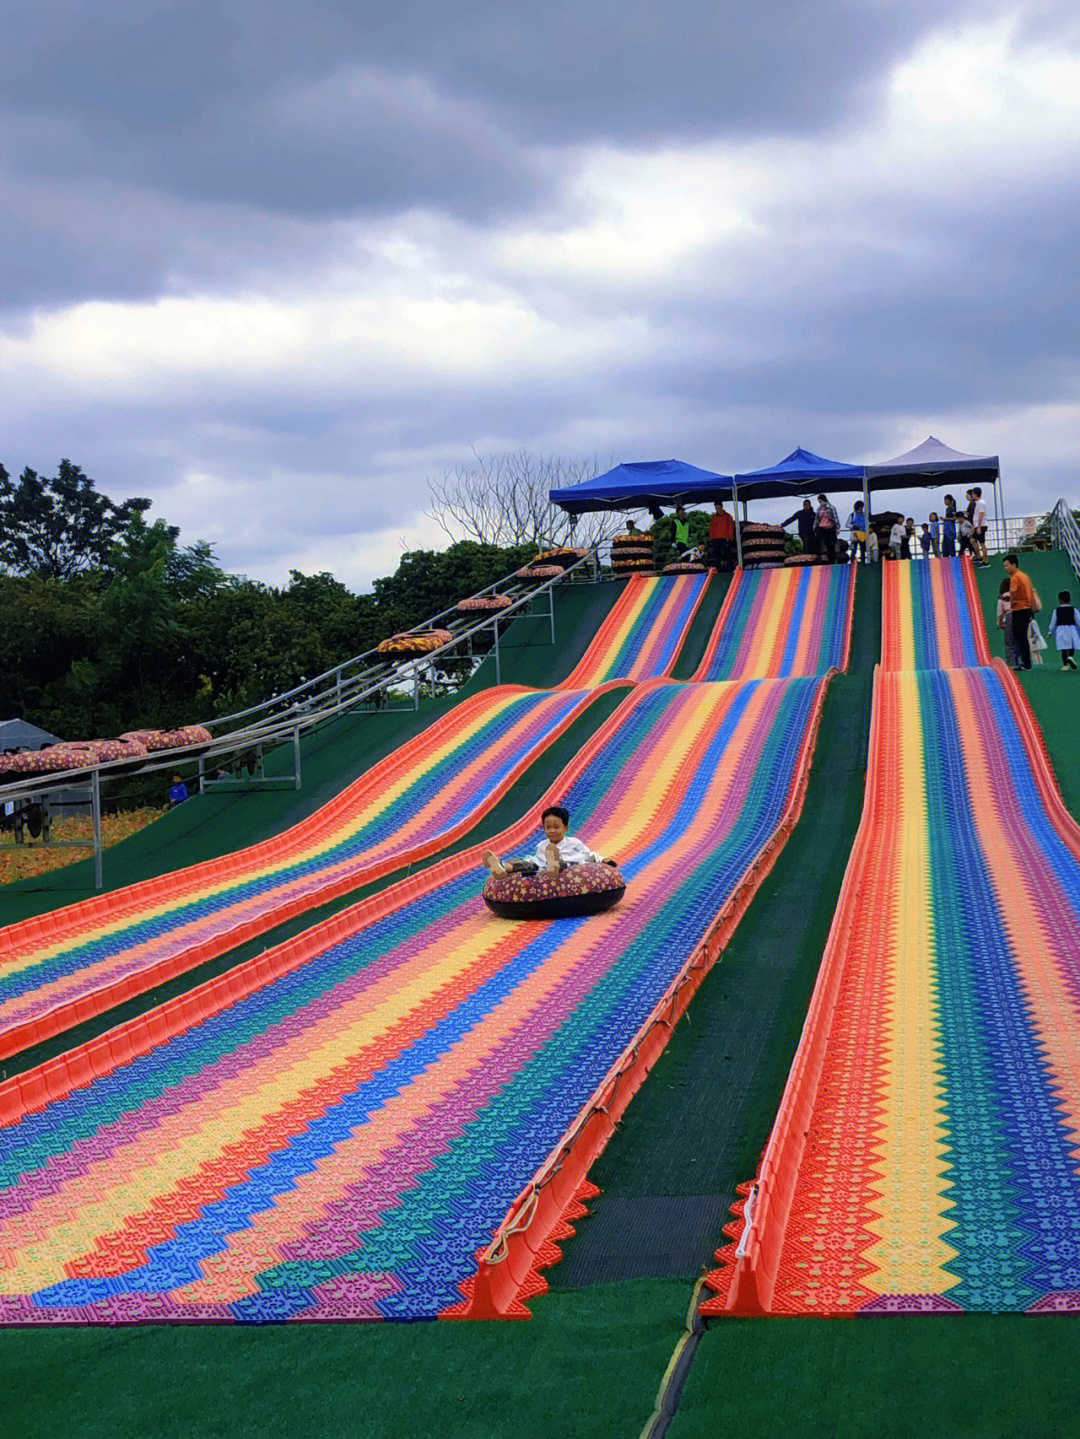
x=338, y=1128
x=782, y=622
x=65, y=967
x=926, y=1156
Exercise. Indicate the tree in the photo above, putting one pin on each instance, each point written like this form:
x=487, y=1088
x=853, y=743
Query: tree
x=426, y=582
x=55, y=526
x=503, y=500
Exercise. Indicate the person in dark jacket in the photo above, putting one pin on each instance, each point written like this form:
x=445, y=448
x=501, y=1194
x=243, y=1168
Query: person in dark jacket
x=807, y=523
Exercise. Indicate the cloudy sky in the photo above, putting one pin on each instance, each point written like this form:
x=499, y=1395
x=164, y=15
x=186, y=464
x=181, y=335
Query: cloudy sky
x=275, y=264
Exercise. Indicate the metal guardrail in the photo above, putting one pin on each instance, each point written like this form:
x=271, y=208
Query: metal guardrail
x=1065, y=534
x=307, y=707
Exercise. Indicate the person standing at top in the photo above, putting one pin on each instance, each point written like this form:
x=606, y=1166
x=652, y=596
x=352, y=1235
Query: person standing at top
x=806, y=521
x=896, y=540
x=721, y=538
x=948, y=529
x=827, y=525
x=1022, y=606
x=909, y=535
x=177, y=791
x=860, y=528
x=682, y=529
x=978, y=520
x=935, y=534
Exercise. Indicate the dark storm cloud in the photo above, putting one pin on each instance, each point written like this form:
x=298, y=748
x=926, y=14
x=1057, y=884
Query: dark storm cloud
x=340, y=109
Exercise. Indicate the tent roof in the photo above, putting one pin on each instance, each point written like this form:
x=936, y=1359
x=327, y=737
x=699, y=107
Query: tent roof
x=928, y=462
x=642, y=483
x=798, y=474
x=20, y=734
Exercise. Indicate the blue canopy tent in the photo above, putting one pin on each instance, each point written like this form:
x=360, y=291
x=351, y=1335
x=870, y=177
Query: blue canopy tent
x=800, y=473
x=642, y=484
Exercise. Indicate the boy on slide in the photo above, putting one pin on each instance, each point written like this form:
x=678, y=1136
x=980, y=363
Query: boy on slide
x=554, y=852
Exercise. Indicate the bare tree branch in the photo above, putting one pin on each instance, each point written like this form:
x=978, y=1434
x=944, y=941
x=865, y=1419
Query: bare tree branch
x=503, y=499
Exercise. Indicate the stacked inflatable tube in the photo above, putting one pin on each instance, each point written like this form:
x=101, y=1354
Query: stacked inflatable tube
x=762, y=545
x=631, y=553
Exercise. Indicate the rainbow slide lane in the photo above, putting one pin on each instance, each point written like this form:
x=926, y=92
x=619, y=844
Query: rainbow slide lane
x=338, y=1128
x=926, y=1155
x=67, y=966
x=781, y=622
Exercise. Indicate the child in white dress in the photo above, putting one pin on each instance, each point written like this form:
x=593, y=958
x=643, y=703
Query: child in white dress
x=1065, y=627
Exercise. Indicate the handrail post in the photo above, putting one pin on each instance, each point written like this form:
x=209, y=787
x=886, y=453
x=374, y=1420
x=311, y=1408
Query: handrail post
x=202, y=774
x=551, y=610
x=296, y=753
x=95, y=810
x=498, y=662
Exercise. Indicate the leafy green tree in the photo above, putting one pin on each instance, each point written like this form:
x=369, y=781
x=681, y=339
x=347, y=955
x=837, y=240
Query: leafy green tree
x=46, y=626
x=56, y=526
x=429, y=581
x=663, y=533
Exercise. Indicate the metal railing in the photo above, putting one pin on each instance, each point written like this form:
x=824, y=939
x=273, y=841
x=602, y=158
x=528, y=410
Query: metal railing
x=1065, y=534
x=286, y=718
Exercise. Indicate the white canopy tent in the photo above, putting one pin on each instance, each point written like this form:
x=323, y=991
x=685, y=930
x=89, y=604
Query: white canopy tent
x=934, y=463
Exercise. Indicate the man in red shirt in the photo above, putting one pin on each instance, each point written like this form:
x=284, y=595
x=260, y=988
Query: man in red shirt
x=721, y=538
x=1021, y=608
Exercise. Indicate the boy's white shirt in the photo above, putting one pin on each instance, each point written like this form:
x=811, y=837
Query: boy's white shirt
x=896, y=534
x=980, y=514
x=571, y=851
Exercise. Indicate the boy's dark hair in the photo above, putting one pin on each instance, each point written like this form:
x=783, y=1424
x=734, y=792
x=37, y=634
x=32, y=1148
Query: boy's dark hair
x=977, y=492
x=1003, y=588
x=823, y=499
x=1010, y=560
x=560, y=813
x=1064, y=597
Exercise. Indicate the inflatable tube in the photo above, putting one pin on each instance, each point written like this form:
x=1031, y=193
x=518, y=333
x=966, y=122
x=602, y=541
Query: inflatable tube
x=563, y=555
x=480, y=603
x=539, y=572
x=406, y=646
x=579, y=889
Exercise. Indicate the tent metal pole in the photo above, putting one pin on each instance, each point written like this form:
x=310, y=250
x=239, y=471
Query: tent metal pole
x=738, y=526
x=997, y=520
x=999, y=493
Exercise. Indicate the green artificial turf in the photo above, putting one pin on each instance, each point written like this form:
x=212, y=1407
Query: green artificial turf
x=220, y=821
x=587, y=1365
x=1054, y=696
x=704, y=622
x=949, y=1377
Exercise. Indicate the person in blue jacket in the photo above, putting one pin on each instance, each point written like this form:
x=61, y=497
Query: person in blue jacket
x=178, y=792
